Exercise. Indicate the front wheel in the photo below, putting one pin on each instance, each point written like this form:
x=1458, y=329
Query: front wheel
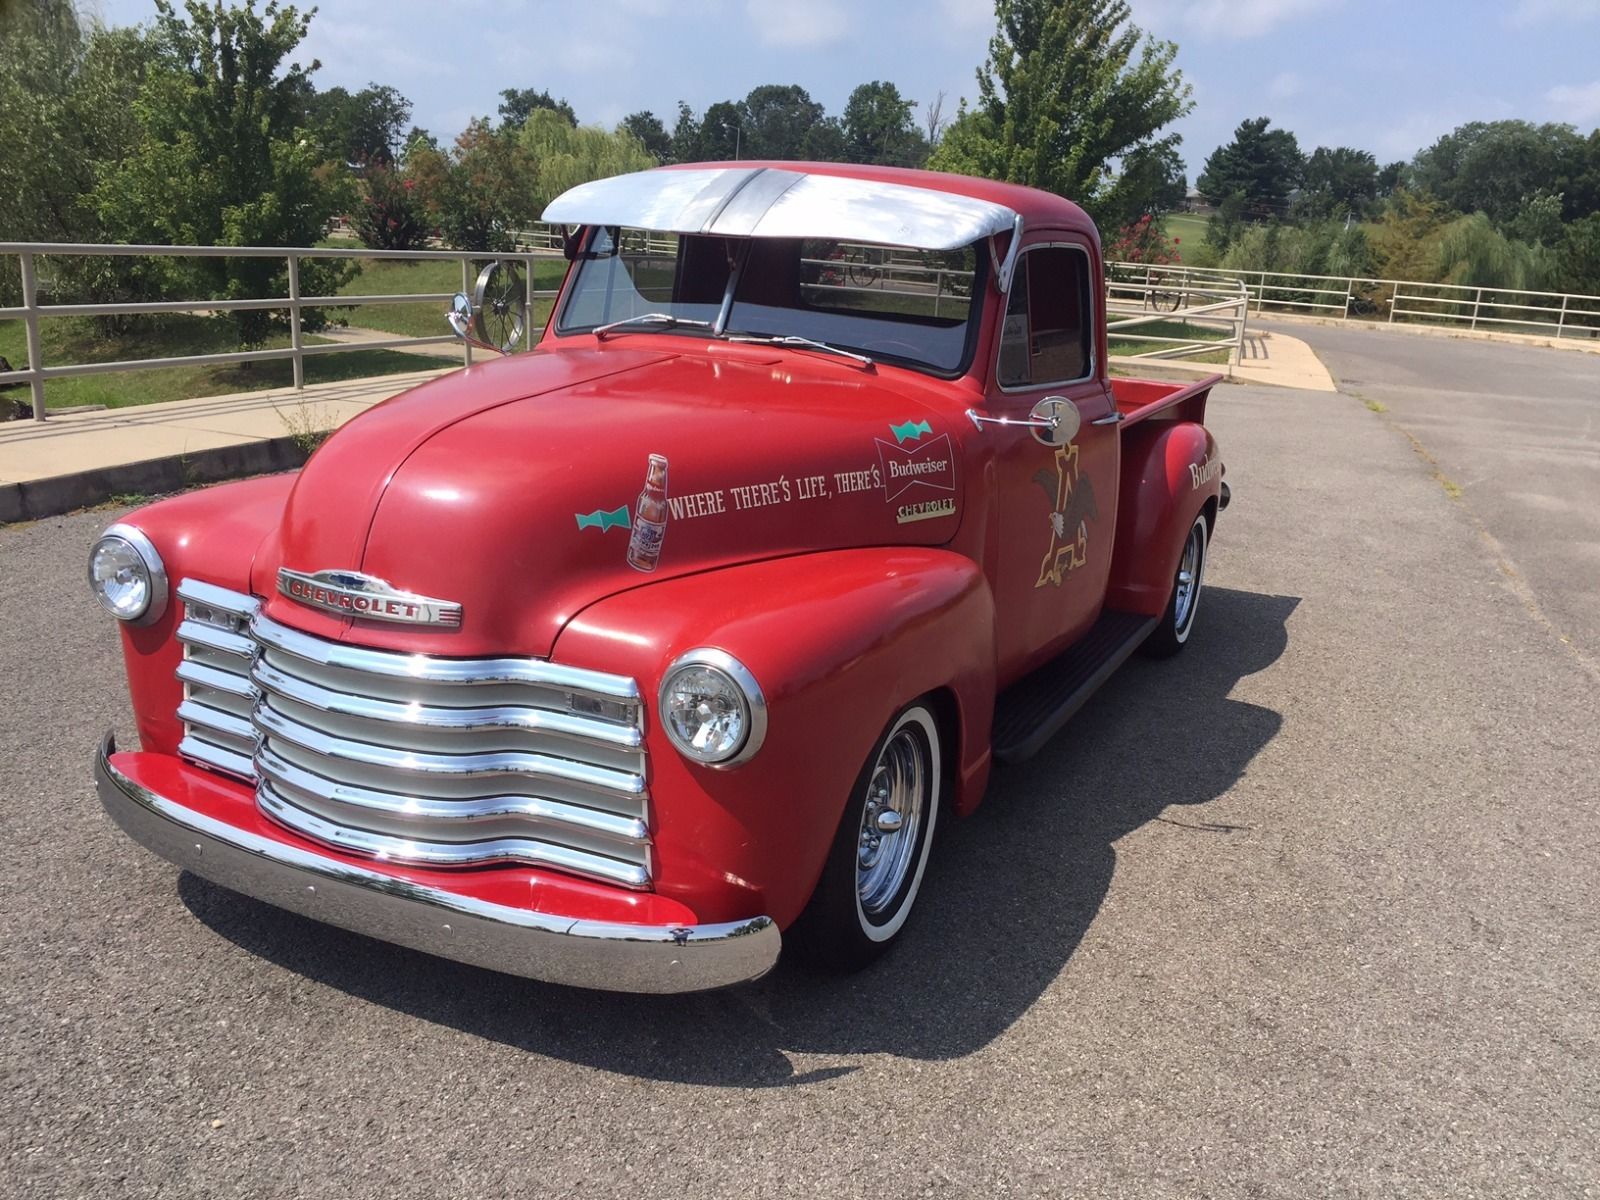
x=874, y=869
x=1172, y=634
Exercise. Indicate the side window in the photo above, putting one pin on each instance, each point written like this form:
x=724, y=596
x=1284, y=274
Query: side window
x=1048, y=332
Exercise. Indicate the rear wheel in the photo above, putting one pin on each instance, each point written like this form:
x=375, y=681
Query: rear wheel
x=1172, y=634
x=874, y=869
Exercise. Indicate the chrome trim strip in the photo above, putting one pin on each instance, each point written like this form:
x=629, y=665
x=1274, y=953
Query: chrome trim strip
x=537, y=945
x=208, y=755
x=430, y=669
x=533, y=720
x=197, y=674
x=468, y=766
x=526, y=851
x=197, y=633
x=193, y=712
x=234, y=603
x=395, y=805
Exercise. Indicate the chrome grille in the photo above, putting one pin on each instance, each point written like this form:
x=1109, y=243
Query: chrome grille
x=438, y=761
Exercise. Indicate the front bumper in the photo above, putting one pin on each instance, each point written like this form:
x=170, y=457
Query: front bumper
x=537, y=945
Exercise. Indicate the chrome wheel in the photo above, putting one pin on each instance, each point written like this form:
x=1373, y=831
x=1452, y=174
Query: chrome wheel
x=870, y=882
x=891, y=820
x=1186, y=593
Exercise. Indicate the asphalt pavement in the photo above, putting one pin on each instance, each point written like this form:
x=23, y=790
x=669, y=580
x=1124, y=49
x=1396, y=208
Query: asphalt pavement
x=1310, y=910
x=1514, y=428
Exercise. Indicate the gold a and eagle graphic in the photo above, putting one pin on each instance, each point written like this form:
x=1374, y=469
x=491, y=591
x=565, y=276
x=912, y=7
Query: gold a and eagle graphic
x=1072, y=507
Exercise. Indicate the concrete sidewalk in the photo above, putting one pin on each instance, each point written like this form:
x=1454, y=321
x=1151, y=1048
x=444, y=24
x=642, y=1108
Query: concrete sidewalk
x=1270, y=357
x=77, y=459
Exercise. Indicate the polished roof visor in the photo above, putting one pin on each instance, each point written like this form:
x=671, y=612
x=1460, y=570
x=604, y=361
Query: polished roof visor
x=776, y=203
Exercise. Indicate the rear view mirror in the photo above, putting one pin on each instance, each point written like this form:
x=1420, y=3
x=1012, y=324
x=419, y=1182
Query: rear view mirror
x=1055, y=421
x=460, y=314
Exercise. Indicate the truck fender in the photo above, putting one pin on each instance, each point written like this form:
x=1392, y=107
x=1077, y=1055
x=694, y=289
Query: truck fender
x=1170, y=472
x=210, y=535
x=838, y=642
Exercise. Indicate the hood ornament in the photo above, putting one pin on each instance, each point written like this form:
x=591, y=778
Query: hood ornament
x=354, y=594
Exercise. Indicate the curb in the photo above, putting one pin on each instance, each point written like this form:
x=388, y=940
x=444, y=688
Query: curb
x=154, y=476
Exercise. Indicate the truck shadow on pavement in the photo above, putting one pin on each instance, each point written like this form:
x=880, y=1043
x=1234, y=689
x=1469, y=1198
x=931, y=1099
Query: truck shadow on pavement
x=1008, y=898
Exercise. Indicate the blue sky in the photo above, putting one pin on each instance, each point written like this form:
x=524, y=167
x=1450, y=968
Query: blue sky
x=1387, y=76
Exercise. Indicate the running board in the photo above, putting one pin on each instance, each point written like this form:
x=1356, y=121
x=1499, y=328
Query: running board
x=1029, y=712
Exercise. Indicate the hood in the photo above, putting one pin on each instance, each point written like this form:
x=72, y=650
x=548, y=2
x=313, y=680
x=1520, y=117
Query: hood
x=528, y=489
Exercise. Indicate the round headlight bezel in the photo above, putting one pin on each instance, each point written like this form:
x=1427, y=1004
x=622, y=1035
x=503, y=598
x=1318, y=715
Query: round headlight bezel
x=719, y=662
x=155, y=571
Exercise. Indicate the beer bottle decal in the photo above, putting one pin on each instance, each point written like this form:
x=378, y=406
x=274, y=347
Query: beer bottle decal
x=650, y=518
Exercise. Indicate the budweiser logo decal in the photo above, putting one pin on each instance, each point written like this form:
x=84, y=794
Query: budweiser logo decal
x=930, y=464
x=353, y=594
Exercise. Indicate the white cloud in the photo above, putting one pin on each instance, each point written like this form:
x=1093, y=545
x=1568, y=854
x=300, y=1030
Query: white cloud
x=1541, y=12
x=1284, y=85
x=967, y=14
x=1222, y=18
x=1578, y=104
x=798, y=25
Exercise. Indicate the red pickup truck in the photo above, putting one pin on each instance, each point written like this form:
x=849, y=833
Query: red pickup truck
x=622, y=662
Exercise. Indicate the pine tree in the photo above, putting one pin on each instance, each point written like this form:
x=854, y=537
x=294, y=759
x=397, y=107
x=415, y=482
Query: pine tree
x=1071, y=90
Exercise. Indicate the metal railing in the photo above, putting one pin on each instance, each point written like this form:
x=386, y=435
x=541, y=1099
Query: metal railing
x=1398, y=301
x=32, y=312
x=1186, y=321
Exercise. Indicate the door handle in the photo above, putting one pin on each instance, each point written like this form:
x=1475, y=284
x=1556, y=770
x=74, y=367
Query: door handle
x=1112, y=418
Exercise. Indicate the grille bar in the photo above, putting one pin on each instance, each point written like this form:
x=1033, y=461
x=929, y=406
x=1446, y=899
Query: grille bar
x=476, y=719
x=433, y=761
x=449, y=854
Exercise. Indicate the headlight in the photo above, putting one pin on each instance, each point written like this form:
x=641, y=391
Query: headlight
x=712, y=708
x=127, y=577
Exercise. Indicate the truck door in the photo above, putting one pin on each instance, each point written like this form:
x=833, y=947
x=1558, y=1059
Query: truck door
x=1057, y=504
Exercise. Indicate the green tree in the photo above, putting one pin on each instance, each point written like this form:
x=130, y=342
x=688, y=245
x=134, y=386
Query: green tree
x=1260, y=164
x=1155, y=179
x=651, y=133
x=686, y=135
x=366, y=127
x=1405, y=244
x=484, y=189
x=1070, y=88
x=1493, y=167
x=879, y=126
x=221, y=160
x=518, y=104
x=1579, y=258
x=825, y=142
x=721, y=133
x=66, y=112
x=775, y=119
x=1339, y=181
x=568, y=155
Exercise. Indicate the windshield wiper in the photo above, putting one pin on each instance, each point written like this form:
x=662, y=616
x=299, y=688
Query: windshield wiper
x=661, y=319
x=799, y=343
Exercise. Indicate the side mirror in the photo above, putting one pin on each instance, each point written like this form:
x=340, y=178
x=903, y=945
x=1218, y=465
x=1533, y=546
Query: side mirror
x=460, y=315
x=1055, y=421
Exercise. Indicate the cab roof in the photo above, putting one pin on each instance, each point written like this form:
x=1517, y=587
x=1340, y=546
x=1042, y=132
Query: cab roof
x=883, y=205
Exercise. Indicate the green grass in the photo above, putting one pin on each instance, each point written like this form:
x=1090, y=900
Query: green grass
x=1188, y=228
x=67, y=340
x=1127, y=346
x=401, y=277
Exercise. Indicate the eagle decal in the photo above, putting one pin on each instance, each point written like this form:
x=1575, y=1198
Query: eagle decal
x=1072, y=507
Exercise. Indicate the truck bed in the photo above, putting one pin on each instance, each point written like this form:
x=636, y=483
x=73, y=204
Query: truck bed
x=1145, y=399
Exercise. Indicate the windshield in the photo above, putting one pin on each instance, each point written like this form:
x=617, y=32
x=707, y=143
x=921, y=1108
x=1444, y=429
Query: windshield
x=915, y=307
